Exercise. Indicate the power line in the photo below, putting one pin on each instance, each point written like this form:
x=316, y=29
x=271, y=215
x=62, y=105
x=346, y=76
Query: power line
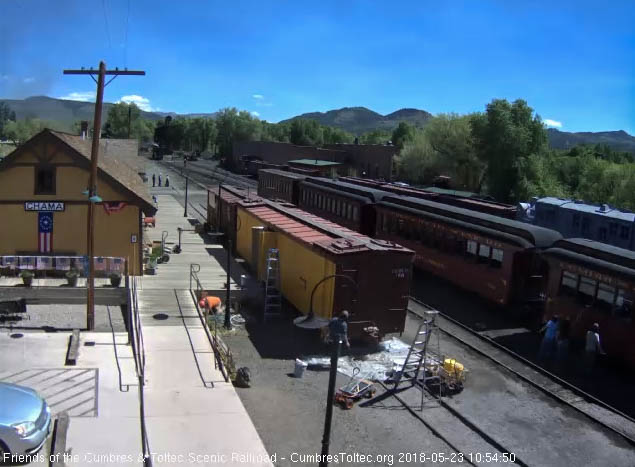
x=103, y=4
x=125, y=50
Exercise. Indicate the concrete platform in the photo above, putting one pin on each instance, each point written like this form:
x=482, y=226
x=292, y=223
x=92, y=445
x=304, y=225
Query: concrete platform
x=190, y=410
x=104, y=420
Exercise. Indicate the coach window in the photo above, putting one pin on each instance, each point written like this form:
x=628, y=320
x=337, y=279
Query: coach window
x=586, y=225
x=483, y=253
x=497, y=258
x=355, y=213
x=576, y=221
x=350, y=210
x=568, y=283
x=612, y=229
x=624, y=231
x=602, y=234
x=586, y=289
x=459, y=247
x=471, y=247
x=45, y=180
x=624, y=304
x=384, y=222
x=605, y=296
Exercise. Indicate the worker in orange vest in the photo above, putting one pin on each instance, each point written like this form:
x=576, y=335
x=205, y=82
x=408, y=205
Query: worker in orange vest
x=209, y=304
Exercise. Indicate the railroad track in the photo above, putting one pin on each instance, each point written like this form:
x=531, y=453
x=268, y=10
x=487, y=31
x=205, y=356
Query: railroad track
x=564, y=392
x=204, y=174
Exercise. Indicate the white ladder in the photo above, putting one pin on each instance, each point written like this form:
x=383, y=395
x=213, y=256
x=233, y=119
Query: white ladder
x=273, y=297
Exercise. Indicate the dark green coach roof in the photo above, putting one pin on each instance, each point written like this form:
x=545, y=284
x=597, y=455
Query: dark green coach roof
x=593, y=251
x=372, y=195
x=540, y=237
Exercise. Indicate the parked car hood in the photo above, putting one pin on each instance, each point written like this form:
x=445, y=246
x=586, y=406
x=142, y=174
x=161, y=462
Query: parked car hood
x=18, y=404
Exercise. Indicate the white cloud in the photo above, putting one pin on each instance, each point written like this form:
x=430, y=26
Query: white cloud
x=258, y=96
x=4, y=77
x=30, y=79
x=255, y=114
x=142, y=102
x=87, y=96
x=549, y=122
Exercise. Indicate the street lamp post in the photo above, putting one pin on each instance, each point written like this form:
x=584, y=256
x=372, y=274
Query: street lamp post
x=187, y=182
x=326, y=439
x=228, y=321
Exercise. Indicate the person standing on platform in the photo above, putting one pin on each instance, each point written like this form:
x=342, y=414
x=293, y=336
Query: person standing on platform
x=167, y=181
x=592, y=347
x=548, y=344
x=159, y=178
x=154, y=180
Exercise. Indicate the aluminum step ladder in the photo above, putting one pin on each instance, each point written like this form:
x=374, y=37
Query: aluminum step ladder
x=413, y=371
x=273, y=297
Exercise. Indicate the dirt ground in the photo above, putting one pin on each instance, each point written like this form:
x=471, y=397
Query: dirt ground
x=289, y=412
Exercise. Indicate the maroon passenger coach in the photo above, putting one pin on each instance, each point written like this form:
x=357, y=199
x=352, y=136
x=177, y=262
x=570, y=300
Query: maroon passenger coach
x=496, y=258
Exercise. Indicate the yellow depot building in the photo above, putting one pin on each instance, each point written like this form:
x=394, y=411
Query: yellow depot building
x=43, y=208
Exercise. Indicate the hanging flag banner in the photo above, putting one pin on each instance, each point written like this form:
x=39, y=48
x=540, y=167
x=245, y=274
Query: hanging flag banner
x=116, y=265
x=44, y=263
x=63, y=263
x=100, y=263
x=113, y=206
x=27, y=262
x=45, y=232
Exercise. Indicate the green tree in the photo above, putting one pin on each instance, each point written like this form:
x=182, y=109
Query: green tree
x=375, y=137
x=233, y=125
x=116, y=125
x=450, y=135
x=201, y=132
x=504, y=136
x=418, y=163
x=6, y=115
x=331, y=135
x=304, y=132
x=403, y=134
x=18, y=132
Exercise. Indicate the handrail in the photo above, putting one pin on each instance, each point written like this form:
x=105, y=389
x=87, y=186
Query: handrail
x=140, y=363
x=197, y=293
x=122, y=387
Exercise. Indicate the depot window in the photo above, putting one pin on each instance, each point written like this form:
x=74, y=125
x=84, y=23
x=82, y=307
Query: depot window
x=45, y=180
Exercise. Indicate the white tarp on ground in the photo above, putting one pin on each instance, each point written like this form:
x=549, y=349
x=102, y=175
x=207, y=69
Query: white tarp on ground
x=377, y=366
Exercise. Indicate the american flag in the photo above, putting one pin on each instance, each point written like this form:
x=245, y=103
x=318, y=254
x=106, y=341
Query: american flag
x=45, y=236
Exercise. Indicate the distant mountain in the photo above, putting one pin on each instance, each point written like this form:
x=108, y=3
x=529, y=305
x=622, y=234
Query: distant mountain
x=358, y=120
x=618, y=140
x=49, y=108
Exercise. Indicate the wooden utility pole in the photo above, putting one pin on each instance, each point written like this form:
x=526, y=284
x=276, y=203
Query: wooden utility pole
x=92, y=181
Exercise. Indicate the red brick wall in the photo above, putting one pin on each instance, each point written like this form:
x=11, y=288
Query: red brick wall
x=376, y=160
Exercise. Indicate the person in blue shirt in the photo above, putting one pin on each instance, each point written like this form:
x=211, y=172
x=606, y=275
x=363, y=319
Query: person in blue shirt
x=338, y=328
x=548, y=344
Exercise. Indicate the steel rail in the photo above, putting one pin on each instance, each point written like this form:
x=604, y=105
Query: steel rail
x=533, y=366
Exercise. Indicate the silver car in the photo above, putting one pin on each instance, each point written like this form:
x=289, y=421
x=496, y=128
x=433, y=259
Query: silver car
x=25, y=420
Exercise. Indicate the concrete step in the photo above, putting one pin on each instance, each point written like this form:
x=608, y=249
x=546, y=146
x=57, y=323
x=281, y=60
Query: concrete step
x=64, y=295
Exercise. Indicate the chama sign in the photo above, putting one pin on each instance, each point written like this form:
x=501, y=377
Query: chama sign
x=43, y=206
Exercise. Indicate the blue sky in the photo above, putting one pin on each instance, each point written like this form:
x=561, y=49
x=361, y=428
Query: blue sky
x=573, y=62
